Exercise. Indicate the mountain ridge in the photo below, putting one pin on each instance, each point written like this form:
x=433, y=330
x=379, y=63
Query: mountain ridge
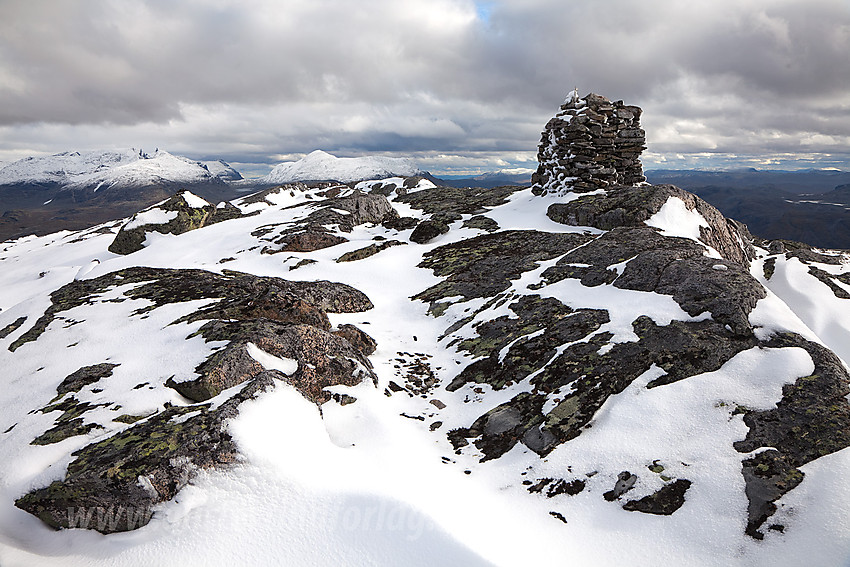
x=506, y=372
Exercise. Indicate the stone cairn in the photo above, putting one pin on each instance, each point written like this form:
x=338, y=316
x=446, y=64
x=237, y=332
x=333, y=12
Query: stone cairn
x=592, y=143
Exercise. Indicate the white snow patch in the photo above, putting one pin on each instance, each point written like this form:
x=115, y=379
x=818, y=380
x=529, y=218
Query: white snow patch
x=193, y=200
x=152, y=216
x=675, y=219
x=288, y=366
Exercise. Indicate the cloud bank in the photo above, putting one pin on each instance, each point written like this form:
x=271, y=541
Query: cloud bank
x=455, y=84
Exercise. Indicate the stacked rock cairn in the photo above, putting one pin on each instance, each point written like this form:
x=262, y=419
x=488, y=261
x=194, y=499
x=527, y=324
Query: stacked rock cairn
x=592, y=143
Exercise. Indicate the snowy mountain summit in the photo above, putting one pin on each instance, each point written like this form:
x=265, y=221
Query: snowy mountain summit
x=397, y=373
x=322, y=166
x=105, y=169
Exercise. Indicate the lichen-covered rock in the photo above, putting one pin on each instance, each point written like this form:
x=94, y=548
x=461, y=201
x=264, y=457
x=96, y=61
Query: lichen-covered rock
x=667, y=265
x=481, y=222
x=69, y=424
x=448, y=204
x=239, y=295
x=112, y=485
x=368, y=251
x=181, y=213
x=324, y=359
x=123, y=476
x=315, y=231
x=485, y=265
x=12, y=327
x=357, y=338
x=591, y=143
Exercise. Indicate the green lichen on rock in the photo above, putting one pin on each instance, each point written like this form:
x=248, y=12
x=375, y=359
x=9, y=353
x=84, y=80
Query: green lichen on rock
x=481, y=222
x=70, y=423
x=450, y=203
x=151, y=460
x=769, y=268
x=187, y=218
x=142, y=465
x=682, y=349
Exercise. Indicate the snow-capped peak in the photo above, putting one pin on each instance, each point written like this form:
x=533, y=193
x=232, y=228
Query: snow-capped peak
x=105, y=168
x=322, y=166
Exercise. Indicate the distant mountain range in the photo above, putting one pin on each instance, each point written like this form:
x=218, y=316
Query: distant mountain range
x=490, y=179
x=73, y=190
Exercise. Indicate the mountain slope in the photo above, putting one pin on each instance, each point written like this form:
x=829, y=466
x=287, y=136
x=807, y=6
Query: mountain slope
x=402, y=373
x=384, y=478
x=73, y=190
x=322, y=166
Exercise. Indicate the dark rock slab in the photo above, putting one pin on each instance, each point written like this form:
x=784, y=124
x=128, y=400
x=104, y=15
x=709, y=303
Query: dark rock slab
x=85, y=376
x=245, y=296
x=368, y=251
x=324, y=359
x=481, y=223
x=485, y=265
x=450, y=203
x=664, y=502
x=312, y=232
x=12, y=327
x=428, y=230
x=810, y=421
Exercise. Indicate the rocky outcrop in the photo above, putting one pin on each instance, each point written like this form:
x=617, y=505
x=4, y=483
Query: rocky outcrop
x=259, y=319
x=316, y=230
x=592, y=143
x=112, y=485
x=181, y=213
x=633, y=206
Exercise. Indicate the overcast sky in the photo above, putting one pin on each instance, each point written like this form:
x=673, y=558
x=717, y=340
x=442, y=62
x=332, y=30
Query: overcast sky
x=458, y=85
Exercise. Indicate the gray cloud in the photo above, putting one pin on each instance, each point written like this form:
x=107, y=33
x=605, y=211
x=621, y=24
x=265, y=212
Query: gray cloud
x=442, y=80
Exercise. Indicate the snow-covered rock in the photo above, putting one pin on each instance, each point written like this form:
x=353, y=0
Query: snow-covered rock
x=322, y=166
